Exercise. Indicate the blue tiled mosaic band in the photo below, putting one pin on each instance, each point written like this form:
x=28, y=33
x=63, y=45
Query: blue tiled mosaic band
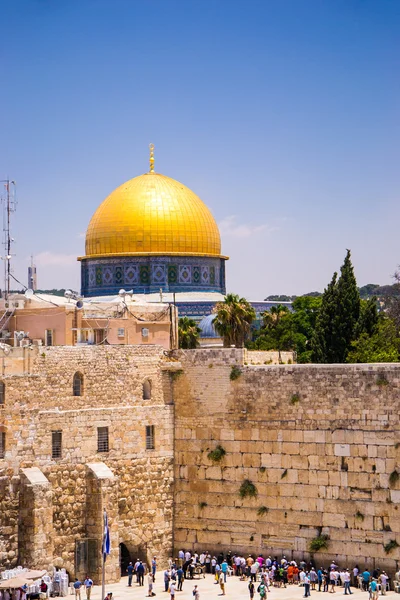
x=147, y=274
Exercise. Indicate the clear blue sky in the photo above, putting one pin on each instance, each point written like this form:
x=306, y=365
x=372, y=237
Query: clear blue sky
x=283, y=116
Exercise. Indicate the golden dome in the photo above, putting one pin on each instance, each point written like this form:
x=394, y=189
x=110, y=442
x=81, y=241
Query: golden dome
x=152, y=214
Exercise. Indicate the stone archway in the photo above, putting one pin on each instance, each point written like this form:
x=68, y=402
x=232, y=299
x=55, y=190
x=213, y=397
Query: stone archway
x=130, y=552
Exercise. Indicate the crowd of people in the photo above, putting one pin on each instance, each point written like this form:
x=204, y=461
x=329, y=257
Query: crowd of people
x=263, y=573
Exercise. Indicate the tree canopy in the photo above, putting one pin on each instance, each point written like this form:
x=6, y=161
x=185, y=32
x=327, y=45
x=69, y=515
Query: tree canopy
x=233, y=319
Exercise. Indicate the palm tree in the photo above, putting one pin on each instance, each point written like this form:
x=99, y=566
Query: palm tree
x=188, y=333
x=273, y=316
x=233, y=319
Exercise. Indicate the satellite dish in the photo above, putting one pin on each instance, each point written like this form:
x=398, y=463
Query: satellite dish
x=79, y=304
x=68, y=293
x=29, y=294
x=122, y=292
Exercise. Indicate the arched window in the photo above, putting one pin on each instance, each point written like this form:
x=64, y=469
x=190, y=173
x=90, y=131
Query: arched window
x=2, y=392
x=77, y=385
x=147, y=390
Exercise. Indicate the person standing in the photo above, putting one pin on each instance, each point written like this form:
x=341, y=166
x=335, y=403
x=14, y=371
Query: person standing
x=88, y=583
x=306, y=586
x=196, y=593
x=172, y=590
x=222, y=583
x=181, y=556
x=365, y=580
x=208, y=562
x=77, y=589
x=140, y=573
x=130, y=570
x=166, y=580
x=150, y=585
x=383, y=579
x=224, y=568
x=346, y=578
x=373, y=590
x=154, y=567
x=180, y=577
x=251, y=590
x=262, y=590
x=320, y=576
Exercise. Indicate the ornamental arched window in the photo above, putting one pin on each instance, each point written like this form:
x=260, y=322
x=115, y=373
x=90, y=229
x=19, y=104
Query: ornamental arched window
x=77, y=384
x=147, y=389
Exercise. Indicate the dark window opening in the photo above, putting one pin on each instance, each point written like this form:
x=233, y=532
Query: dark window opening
x=149, y=437
x=147, y=390
x=2, y=443
x=102, y=439
x=77, y=384
x=2, y=392
x=56, y=444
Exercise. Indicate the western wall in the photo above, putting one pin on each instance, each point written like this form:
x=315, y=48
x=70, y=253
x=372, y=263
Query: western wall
x=320, y=443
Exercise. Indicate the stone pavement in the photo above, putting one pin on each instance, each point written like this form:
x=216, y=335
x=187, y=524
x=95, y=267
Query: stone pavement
x=235, y=590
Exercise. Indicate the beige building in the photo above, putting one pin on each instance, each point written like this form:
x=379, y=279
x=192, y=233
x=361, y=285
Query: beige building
x=50, y=320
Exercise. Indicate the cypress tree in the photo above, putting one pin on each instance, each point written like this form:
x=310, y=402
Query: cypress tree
x=336, y=325
x=322, y=342
x=348, y=310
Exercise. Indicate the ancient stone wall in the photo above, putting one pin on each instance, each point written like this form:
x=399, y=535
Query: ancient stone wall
x=320, y=443
x=138, y=500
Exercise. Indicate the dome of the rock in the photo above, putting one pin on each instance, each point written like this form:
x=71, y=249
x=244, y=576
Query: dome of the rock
x=152, y=233
x=152, y=214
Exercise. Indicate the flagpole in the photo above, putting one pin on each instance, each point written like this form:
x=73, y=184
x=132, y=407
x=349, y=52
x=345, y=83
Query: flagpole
x=103, y=558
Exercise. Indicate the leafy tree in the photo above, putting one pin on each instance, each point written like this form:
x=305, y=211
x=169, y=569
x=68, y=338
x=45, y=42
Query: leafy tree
x=382, y=346
x=322, y=343
x=393, y=301
x=368, y=319
x=233, y=319
x=188, y=333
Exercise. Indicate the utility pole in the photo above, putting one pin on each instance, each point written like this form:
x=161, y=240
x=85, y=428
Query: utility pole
x=10, y=206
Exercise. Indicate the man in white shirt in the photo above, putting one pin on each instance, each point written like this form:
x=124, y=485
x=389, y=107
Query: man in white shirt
x=181, y=556
x=383, y=578
x=188, y=556
x=346, y=577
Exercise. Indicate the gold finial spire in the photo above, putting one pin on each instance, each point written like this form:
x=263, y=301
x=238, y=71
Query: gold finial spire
x=151, y=146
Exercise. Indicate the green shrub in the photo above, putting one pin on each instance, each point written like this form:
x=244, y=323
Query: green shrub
x=392, y=545
x=235, y=373
x=359, y=516
x=262, y=511
x=319, y=543
x=393, y=478
x=262, y=469
x=217, y=454
x=381, y=380
x=202, y=505
x=176, y=374
x=295, y=399
x=248, y=489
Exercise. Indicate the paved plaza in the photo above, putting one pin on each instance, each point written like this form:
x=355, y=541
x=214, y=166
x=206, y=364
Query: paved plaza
x=235, y=590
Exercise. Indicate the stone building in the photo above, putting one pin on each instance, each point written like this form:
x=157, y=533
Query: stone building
x=131, y=428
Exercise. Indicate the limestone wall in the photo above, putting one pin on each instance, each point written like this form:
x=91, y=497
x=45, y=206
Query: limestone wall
x=263, y=357
x=42, y=401
x=319, y=442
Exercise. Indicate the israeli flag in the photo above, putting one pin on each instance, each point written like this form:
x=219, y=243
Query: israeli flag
x=106, y=537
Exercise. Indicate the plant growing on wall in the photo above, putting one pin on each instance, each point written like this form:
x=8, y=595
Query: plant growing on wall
x=392, y=545
x=202, y=505
x=176, y=374
x=319, y=543
x=248, y=489
x=381, y=380
x=295, y=399
x=359, y=516
x=235, y=373
x=262, y=511
x=217, y=454
x=393, y=478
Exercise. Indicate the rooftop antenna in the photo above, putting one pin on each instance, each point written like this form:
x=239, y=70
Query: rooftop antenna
x=10, y=205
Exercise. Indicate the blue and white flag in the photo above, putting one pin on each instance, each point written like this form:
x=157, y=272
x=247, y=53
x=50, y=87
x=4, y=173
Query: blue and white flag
x=106, y=537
